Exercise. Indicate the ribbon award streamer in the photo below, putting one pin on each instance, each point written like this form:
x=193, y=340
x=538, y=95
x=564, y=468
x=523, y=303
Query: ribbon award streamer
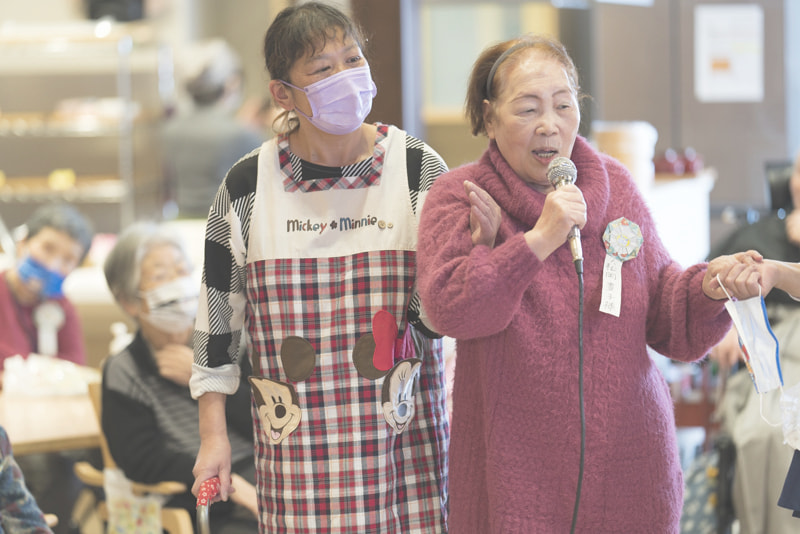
x=622, y=239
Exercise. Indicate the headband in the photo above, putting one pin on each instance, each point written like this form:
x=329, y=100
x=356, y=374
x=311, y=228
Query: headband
x=503, y=57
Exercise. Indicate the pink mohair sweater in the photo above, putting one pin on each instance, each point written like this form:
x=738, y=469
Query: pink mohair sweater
x=515, y=441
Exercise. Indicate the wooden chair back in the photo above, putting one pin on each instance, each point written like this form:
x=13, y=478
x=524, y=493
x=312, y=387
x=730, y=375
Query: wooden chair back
x=96, y=395
x=173, y=520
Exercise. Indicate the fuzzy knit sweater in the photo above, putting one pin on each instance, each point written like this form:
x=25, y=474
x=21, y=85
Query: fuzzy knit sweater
x=515, y=444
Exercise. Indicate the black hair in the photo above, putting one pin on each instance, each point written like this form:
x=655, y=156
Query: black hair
x=64, y=218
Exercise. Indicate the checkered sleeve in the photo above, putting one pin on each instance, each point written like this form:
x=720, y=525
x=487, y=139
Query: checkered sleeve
x=220, y=318
x=423, y=166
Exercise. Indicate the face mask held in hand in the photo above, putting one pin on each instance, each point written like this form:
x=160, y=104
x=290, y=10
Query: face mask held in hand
x=761, y=356
x=340, y=103
x=758, y=343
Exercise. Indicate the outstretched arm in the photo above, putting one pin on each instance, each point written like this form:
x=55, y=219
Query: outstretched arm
x=745, y=274
x=739, y=274
x=782, y=275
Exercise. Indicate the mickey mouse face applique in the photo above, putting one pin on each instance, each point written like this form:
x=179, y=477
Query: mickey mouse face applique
x=278, y=407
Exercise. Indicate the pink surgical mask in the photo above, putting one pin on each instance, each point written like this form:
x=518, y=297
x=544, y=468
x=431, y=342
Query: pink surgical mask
x=340, y=103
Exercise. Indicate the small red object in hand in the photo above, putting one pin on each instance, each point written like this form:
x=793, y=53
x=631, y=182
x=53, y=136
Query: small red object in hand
x=208, y=490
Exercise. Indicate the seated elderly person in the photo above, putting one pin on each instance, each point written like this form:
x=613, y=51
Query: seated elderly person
x=34, y=314
x=149, y=418
x=36, y=317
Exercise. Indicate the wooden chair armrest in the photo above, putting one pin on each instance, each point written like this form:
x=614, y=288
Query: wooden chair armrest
x=168, y=487
x=89, y=474
x=51, y=520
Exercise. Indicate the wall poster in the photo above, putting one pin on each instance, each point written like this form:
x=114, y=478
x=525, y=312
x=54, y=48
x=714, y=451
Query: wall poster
x=729, y=53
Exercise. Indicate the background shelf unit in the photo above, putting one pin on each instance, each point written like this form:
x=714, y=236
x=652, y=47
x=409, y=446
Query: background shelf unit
x=87, y=98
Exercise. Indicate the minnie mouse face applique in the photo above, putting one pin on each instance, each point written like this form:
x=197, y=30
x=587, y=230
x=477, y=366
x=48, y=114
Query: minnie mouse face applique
x=399, y=394
x=382, y=353
x=375, y=355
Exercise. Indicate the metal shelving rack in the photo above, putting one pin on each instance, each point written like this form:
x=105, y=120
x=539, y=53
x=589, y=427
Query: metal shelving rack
x=72, y=99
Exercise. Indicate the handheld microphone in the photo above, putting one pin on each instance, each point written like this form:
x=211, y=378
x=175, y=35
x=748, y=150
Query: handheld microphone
x=561, y=172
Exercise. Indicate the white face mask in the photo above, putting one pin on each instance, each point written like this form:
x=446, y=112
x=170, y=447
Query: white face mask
x=758, y=343
x=761, y=350
x=790, y=412
x=173, y=306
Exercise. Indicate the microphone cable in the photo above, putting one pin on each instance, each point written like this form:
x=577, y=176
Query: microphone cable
x=579, y=270
x=561, y=172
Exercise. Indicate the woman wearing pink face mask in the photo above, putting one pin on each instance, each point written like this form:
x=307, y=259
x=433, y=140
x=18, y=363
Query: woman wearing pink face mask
x=310, y=256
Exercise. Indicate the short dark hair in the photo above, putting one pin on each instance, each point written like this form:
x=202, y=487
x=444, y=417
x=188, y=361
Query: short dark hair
x=64, y=218
x=490, y=61
x=304, y=29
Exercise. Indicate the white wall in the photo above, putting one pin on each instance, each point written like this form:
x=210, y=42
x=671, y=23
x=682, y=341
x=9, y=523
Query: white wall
x=40, y=10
